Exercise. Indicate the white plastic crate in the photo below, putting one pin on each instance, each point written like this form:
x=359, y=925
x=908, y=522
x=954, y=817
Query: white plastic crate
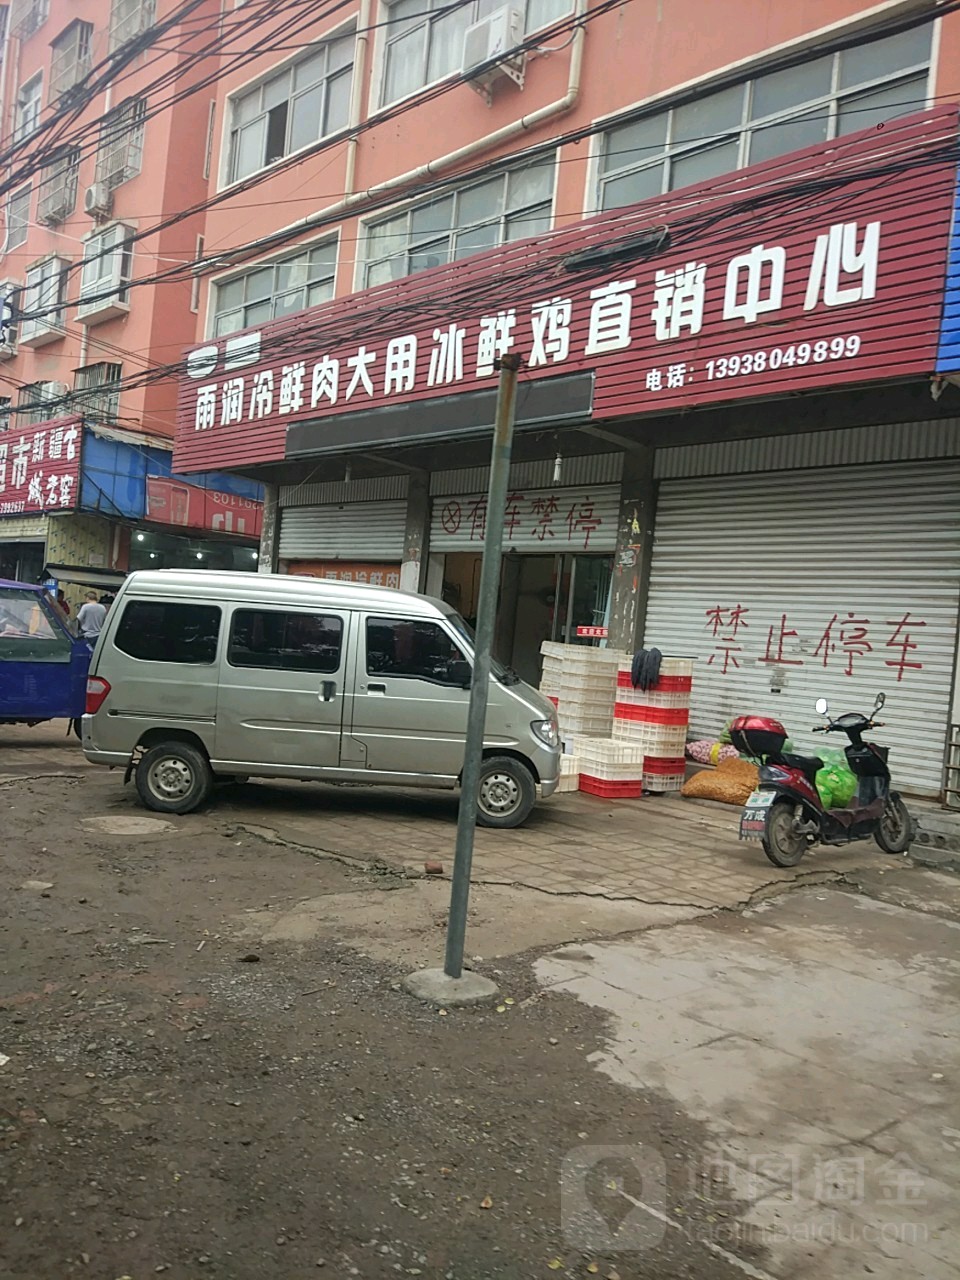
x=660, y=782
x=552, y=649
x=594, y=727
x=649, y=698
x=653, y=739
x=569, y=773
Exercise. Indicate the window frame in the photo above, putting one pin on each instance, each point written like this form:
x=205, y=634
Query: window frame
x=128, y=143
x=30, y=397
x=60, y=174
x=457, y=229
x=25, y=189
x=68, y=74
x=138, y=15
x=479, y=9
x=100, y=400
x=23, y=131
x=168, y=604
x=749, y=125
x=51, y=320
x=438, y=623
x=120, y=256
x=218, y=283
x=287, y=614
x=27, y=17
x=230, y=172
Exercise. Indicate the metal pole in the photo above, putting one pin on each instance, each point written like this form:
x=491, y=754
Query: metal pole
x=479, y=688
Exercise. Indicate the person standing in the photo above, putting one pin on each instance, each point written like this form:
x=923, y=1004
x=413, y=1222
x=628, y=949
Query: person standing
x=90, y=618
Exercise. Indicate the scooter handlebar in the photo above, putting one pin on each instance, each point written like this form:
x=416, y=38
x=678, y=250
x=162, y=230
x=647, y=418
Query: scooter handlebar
x=821, y=728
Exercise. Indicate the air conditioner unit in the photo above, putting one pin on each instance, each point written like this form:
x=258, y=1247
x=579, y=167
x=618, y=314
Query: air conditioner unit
x=53, y=391
x=98, y=200
x=493, y=38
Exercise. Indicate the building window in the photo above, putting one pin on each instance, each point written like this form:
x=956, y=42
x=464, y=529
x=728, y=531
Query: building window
x=511, y=206
x=72, y=57
x=301, y=104
x=10, y=304
x=744, y=124
x=6, y=408
x=120, y=152
x=27, y=16
x=276, y=289
x=129, y=19
x=43, y=300
x=58, y=187
x=96, y=391
x=425, y=38
x=106, y=274
x=29, y=101
x=39, y=402
x=18, y=217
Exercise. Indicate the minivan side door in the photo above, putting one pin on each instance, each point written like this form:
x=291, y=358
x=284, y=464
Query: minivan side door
x=409, y=705
x=282, y=687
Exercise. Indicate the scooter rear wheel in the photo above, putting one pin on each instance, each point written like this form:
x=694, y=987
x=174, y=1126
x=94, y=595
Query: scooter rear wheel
x=781, y=843
x=895, y=832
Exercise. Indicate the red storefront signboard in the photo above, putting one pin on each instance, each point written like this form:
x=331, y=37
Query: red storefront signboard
x=187, y=506
x=40, y=468
x=376, y=575
x=818, y=270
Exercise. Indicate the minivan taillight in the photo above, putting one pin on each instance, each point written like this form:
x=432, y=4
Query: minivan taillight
x=97, y=690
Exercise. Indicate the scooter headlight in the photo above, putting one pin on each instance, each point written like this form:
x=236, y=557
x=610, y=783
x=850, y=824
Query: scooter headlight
x=547, y=731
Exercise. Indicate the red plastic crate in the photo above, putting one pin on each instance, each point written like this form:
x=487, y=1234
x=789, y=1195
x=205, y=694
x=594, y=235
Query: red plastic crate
x=666, y=684
x=651, y=715
x=664, y=764
x=611, y=790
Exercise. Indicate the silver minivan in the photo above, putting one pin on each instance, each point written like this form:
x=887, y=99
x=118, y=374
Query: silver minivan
x=199, y=676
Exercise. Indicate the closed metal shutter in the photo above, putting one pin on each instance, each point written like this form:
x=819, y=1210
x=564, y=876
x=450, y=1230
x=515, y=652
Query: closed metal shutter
x=836, y=583
x=537, y=520
x=356, y=531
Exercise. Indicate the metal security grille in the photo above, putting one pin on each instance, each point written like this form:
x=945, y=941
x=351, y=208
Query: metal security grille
x=358, y=531
x=834, y=583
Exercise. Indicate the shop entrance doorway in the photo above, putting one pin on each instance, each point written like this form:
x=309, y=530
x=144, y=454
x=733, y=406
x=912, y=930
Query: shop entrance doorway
x=542, y=597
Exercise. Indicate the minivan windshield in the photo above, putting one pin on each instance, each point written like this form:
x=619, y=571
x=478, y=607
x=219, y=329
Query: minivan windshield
x=506, y=675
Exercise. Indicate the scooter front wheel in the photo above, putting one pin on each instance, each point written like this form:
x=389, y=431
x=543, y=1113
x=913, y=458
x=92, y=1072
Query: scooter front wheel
x=895, y=832
x=782, y=843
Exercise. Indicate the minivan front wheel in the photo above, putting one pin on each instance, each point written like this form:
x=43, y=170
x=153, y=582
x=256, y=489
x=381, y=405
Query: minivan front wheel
x=173, y=777
x=507, y=792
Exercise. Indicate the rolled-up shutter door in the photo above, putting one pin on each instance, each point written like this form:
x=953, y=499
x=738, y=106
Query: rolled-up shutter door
x=836, y=583
x=355, y=531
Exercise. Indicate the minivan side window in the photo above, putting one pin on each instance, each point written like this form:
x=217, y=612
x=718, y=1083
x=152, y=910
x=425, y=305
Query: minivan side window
x=417, y=650
x=160, y=631
x=285, y=641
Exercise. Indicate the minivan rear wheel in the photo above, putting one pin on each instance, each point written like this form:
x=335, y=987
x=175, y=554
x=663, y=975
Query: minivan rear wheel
x=507, y=792
x=173, y=777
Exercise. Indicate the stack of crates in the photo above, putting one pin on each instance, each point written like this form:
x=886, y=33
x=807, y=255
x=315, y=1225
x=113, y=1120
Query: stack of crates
x=587, y=692
x=613, y=770
x=569, y=773
x=552, y=653
x=655, y=721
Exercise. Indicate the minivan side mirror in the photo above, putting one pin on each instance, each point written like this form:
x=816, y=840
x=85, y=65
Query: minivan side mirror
x=460, y=673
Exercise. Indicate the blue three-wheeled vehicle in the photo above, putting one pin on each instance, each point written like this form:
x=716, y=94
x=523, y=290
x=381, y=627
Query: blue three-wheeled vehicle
x=43, y=663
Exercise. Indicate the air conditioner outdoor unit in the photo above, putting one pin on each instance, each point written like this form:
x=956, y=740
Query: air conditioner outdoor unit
x=493, y=37
x=54, y=391
x=54, y=211
x=98, y=200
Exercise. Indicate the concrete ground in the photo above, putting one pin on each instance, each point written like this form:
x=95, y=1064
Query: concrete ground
x=804, y=1022
x=818, y=1037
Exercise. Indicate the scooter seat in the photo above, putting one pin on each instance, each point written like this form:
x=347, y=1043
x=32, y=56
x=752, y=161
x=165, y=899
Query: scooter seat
x=809, y=766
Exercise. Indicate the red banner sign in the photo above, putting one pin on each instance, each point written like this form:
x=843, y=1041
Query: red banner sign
x=40, y=468
x=376, y=575
x=592, y=633
x=187, y=506
x=811, y=271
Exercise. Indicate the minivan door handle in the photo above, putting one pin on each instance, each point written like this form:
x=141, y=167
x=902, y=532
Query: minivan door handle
x=376, y=688
x=328, y=691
